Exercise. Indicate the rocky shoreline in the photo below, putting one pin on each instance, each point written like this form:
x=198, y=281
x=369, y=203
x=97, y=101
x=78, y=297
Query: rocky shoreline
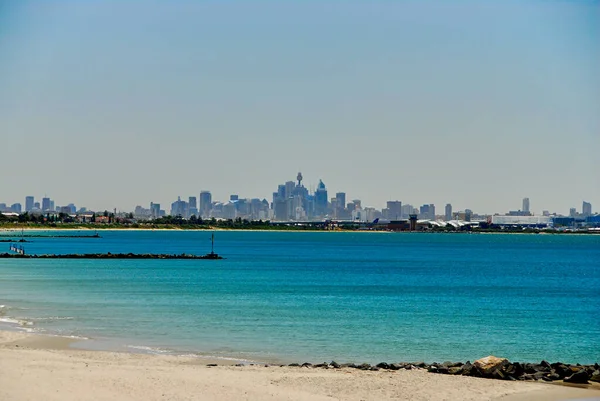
x=109, y=256
x=489, y=367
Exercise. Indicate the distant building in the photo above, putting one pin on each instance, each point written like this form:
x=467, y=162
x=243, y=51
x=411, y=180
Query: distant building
x=448, y=212
x=15, y=208
x=526, y=205
x=154, y=210
x=572, y=212
x=205, y=204
x=468, y=214
x=586, y=209
x=407, y=210
x=341, y=199
x=179, y=207
x=394, y=210
x=427, y=212
x=321, y=199
x=29, y=203
x=36, y=205
x=524, y=221
x=192, y=203
x=45, y=204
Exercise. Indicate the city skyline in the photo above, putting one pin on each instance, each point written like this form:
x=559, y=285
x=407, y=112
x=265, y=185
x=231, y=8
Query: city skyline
x=424, y=102
x=206, y=197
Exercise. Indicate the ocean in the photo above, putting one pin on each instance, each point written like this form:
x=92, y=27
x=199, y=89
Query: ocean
x=317, y=296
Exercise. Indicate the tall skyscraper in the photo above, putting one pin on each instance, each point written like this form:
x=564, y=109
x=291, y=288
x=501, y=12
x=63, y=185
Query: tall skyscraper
x=192, y=203
x=394, y=210
x=586, y=209
x=321, y=199
x=572, y=212
x=341, y=199
x=45, y=204
x=29, y=201
x=289, y=189
x=155, y=210
x=448, y=214
x=205, y=204
x=525, y=205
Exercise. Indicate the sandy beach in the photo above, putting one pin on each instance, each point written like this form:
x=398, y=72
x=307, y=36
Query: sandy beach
x=46, y=368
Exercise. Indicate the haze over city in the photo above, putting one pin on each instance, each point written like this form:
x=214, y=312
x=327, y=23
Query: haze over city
x=112, y=105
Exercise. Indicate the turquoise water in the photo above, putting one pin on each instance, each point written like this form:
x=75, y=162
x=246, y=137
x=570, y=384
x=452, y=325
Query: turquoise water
x=293, y=297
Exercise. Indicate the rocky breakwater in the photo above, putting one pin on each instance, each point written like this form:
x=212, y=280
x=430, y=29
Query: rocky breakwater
x=489, y=367
x=492, y=367
x=110, y=256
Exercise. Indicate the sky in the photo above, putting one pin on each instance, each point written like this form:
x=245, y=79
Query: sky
x=113, y=104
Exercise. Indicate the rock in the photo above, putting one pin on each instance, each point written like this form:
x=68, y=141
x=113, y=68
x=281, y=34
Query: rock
x=294, y=364
x=307, y=365
x=514, y=369
x=321, y=365
x=211, y=364
x=442, y=369
x=420, y=364
x=580, y=377
x=364, y=366
x=486, y=366
x=455, y=370
x=433, y=369
x=374, y=368
x=396, y=366
x=335, y=365
x=383, y=365
x=467, y=369
x=562, y=370
x=595, y=377
x=552, y=377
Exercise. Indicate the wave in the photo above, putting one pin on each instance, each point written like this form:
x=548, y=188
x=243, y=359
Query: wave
x=51, y=318
x=150, y=350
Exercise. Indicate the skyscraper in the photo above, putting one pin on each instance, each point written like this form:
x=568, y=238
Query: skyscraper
x=205, y=204
x=29, y=201
x=427, y=212
x=192, y=207
x=448, y=214
x=321, y=199
x=45, y=204
x=525, y=205
x=394, y=210
x=586, y=209
x=341, y=199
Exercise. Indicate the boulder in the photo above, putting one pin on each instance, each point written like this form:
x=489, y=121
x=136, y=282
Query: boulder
x=467, y=369
x=383, y=365
x=595, y=376
x=335, y=365
x=486, y=366
x=455, y=370
x=396, y=366
x=580, y=377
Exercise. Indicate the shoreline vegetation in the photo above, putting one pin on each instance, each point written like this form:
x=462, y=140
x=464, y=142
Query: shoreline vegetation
x=106, y=220
x=68, y=373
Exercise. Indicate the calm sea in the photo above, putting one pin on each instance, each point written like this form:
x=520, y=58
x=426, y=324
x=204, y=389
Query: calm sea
x=294, y=297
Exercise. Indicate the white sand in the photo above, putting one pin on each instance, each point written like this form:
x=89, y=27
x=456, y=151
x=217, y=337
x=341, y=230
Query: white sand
x=44, y=368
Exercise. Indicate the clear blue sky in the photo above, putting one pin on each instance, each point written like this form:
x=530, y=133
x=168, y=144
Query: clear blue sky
x=478, y=103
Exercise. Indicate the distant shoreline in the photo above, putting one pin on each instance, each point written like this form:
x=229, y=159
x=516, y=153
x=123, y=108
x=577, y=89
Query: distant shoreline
x=15, y=230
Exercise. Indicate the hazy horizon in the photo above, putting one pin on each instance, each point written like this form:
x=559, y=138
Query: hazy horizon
x=478, y=104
